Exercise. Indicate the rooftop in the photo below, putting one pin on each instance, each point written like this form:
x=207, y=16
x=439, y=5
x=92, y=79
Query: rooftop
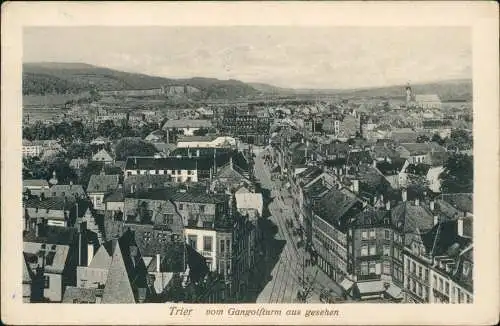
x=103, y=183
x=184, y=123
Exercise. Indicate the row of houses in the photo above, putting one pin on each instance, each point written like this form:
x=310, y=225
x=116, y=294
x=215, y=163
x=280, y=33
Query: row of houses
x=375, y=223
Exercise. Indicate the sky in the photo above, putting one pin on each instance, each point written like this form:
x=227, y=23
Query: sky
x=295, y=57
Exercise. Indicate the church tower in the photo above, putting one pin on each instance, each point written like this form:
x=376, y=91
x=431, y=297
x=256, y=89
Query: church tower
x=409, y=94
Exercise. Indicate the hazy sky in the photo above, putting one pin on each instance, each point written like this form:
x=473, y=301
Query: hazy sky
x=310, y=57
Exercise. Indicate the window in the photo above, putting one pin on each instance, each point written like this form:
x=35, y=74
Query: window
x=387, y=235
x=169, y=218
x=459, y=295
x=202, y=207
x=441, y=284
x=178, y=171
x=469, y=298
x=181, y=207
x=413, y=286
x=372, y=267
x=419, y=289
x=387, y=267
x=426, y=273
x=447, y=288
x=228, y=246
x=364, y=235
x=372, y=234
x=207, y=243
x=46, y=282
x=413, y=267
x=420, y=271
x=188, y=179
x=193, y=241
x=364, y=268
x=364, y=250
x=435, y=281
x=190, y=172
x=373, y=250
x=387, y=250
x=222, y=247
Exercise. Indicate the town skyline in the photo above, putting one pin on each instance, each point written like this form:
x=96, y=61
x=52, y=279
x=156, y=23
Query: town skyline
x=321, y=57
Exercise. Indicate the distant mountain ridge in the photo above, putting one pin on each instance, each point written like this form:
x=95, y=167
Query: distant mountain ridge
x=72, y=78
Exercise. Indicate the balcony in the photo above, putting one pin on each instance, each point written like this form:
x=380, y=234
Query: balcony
x=206, y=253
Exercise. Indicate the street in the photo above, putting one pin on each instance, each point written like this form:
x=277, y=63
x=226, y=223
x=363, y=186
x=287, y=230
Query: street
x=288, y=273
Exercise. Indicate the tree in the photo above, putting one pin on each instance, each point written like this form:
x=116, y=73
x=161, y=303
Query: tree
x=437, y=139
x=460, y=139
x=64, y=172
x=200, y=132
x=458, y=174
x=78, y=150
x=133, y=147
x=422, y=139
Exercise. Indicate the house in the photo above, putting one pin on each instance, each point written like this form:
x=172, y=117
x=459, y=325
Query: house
x=31, y=149
x=229, y=177
x=99, y=141
x=56, y=211
x=394, y=171
x=181, y=169
x=102, y=156
x=139, y=182
x=58, y=190
x=164, y=148
x=35, y=186
x=206, y=142
x=377, y=255
x=79, y=163
x=56, y=252
x=33, y=280
x=249, y=203
x=114, y=202
x=116, y=274
x=438, y=264
x=330, y=217
x=428, y=101
x=101, y=185
x=418, y=152
x=186, y=127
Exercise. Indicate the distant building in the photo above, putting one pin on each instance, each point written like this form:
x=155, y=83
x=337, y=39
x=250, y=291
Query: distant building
x=186, y=127
x=31, y=149
x=99, y=186
x=428, y=101
x=103, y=156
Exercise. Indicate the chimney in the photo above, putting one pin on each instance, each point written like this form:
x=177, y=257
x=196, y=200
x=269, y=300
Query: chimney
x=436, y=219
x=198, y=153
x=90, y=253
x=158, y=263
x=82, y=244
x=460, y=227
x=403, y=194
x=388, y=205
x=374, y=163
x=38, y=229
x=431, y=205
x=417, y=202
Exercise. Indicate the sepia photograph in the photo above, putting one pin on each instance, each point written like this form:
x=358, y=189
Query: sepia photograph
x=319, y=166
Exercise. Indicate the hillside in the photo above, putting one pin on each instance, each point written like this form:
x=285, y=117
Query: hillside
x=75, y=78
x=64, y=78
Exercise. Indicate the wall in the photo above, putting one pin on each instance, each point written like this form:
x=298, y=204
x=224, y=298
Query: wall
x=200, y=233
x=55, y=290
x=115, y=206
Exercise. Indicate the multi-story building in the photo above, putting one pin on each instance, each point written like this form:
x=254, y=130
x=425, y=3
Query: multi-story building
x=250, y=127
x=99, y=186
x=31, y=149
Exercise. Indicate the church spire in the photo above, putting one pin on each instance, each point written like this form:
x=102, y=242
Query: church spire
x=53, y=181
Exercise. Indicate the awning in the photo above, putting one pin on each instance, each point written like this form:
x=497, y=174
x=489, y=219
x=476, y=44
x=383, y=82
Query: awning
x=371, y=287
x=346, y=284
x=394, y=291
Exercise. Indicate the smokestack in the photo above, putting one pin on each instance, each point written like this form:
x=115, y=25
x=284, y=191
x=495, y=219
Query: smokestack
x=388, y=205
x=436, y=219
x=82, y=245
x=460, y=227
x=158, y=263
x=403, y=194
x=431, y=205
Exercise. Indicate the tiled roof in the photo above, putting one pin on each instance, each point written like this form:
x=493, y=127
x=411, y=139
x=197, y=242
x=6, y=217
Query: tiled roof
x=184, y=123
x=196, y=138
x=102, y=155
x=103, y=183
x=74, y=294
x=373, y=217
x=169, y=163
x=412, y=217
x=336, y=208
x=164, y=147
x=391, y=168
x=35, y=183
x=52, y=203
x=115, y=196
x=27, y=272
x=443, y=240
x=460, y=201
x=422, y=148
x=66, y=190
x=56, y=255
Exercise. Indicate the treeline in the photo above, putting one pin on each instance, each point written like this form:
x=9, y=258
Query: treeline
x=40, y=84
